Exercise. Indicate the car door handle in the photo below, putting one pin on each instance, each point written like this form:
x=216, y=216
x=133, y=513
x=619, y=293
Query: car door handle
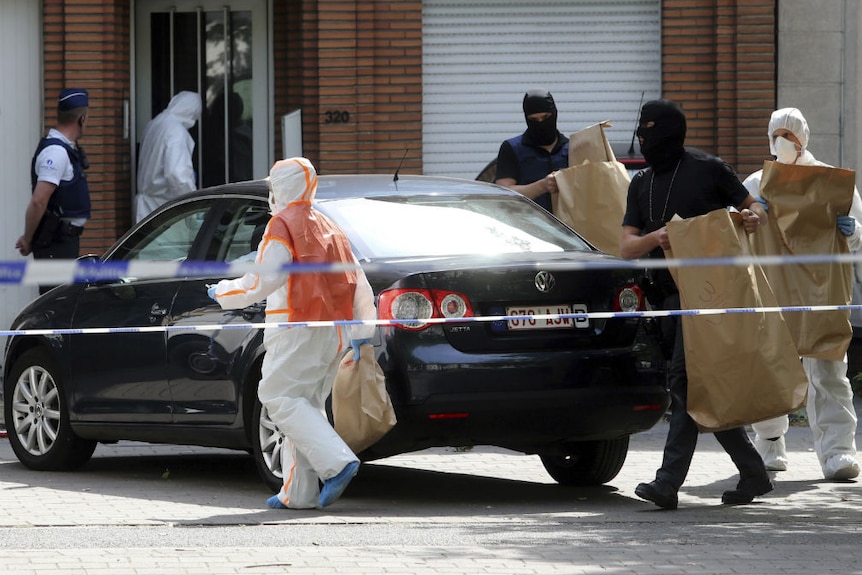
x=157, y=312
x=255, y=309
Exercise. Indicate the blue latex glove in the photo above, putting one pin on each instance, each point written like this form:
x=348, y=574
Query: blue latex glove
x=846, y=224
x=211, y=292
x=762, y=203
x=355, y=343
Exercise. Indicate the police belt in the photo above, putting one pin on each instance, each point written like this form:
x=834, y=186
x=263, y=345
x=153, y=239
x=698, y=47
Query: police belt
x=67, y=229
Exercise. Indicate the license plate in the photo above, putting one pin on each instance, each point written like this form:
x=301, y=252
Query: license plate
x=548, y=323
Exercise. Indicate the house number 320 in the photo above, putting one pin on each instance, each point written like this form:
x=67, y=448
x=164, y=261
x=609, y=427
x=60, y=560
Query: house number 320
x=337, y=116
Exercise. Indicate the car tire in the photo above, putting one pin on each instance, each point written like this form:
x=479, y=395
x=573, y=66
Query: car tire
x=268, y=448
x=588, y=463
x=37, y=416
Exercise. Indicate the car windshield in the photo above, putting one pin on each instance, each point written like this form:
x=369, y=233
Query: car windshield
x=389, y=227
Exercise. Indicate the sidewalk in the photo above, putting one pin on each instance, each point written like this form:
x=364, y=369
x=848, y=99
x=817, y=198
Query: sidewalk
x=142, y=509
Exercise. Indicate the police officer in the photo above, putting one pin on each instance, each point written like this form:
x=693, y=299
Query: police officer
x=525, y=163
x=60, y=204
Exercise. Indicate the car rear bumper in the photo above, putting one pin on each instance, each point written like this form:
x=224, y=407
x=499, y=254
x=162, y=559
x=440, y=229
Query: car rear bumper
x=529, y=421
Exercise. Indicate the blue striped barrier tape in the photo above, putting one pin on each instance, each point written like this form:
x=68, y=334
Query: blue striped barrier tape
x=53, y=272
x=411, y=322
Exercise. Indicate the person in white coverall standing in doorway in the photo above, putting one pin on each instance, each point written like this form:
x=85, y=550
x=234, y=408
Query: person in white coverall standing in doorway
x=165, y=168
x=831, y=414
x=301, y=362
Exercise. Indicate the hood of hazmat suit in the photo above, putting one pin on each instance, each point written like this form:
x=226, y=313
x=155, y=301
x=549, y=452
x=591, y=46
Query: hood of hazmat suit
x=291, y=180
x=792, y=120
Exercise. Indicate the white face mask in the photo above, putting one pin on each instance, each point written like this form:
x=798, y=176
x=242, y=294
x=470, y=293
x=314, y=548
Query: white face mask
x=785, y=150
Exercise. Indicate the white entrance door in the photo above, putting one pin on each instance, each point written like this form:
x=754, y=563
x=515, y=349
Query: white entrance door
x=218, y=49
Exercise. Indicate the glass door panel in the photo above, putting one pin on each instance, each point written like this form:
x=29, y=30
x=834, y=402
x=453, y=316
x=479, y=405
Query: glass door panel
x=219, y=52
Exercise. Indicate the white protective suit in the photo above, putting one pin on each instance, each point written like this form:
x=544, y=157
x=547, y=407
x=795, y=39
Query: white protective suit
x=831, y=414
x=301, y=362
x=165, y=169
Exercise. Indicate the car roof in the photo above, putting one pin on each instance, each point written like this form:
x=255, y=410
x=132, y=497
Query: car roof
x=340, y=186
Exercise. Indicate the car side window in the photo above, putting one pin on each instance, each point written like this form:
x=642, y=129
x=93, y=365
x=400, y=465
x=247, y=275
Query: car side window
x=239, y=232
x=168, y=238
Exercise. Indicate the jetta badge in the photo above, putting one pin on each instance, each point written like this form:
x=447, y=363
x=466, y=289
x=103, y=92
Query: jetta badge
x=545, y=282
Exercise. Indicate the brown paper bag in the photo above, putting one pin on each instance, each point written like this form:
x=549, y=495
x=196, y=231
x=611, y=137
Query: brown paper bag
x=361, y=406
x=804, y=202
x=742, y=367
x=592, y=190
x=591, y=144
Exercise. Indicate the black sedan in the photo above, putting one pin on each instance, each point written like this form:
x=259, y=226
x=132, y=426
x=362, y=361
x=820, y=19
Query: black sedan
x=483, y=263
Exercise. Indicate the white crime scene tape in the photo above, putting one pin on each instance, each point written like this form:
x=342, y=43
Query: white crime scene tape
x=55, y=272
x=87, y=270
x=580, y=316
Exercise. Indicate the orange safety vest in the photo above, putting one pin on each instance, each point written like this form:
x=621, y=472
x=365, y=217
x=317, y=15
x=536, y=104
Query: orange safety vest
x=314, y=238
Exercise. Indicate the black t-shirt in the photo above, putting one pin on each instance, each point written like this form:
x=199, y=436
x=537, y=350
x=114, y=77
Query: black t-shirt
x=701, y=183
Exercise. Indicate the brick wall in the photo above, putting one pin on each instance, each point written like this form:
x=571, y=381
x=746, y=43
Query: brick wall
x=719, y=64
x=87, y=46
x=355, y=69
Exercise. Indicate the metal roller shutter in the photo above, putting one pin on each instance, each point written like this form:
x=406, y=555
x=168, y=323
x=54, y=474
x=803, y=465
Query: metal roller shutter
x=479, y=58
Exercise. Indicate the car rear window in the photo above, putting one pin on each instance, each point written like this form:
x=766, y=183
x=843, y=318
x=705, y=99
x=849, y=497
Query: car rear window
x=386, y=227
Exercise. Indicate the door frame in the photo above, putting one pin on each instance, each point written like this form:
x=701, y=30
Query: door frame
x=139, y=113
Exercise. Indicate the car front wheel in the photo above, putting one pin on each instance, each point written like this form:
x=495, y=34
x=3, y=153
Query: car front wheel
x=269, y=448
x=37, y=416
x=588, y=463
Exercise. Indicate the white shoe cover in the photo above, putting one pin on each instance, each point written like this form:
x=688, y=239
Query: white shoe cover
x=842, y=466
x=773, y=453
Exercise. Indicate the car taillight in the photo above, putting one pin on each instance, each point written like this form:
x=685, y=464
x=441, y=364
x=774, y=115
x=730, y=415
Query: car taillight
x=630, y=298
x=420, y=304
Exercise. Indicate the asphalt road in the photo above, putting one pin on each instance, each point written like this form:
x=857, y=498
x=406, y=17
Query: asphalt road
x=137, y=508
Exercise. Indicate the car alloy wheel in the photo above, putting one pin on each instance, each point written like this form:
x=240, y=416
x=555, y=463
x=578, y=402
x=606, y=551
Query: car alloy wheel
x=37, y=416
x=270, y=448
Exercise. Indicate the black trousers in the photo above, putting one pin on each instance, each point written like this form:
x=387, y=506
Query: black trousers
x=63, y=247
x=683, y=433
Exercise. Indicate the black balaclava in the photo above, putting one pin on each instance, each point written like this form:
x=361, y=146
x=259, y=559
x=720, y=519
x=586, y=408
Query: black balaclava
x=542, y=133
x=663, y=144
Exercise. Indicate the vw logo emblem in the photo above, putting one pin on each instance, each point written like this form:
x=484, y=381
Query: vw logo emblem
x=545, y=282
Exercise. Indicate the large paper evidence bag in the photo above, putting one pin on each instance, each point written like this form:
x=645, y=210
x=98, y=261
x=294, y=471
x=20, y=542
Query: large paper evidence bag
x=804, y=202
x=361, y=407
x=592, y=190
x=742, y=367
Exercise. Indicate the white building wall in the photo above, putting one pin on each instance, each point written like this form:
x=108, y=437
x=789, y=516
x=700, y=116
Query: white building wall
x=21, y=128
x=817, y=53
x=820, y=72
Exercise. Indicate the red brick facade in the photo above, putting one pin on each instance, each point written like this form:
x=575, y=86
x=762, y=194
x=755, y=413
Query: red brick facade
x=355, y=69
x=719, y=64
x=87, y=46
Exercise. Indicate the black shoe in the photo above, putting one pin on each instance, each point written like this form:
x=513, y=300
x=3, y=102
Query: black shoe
x=659, y=493
x=746, y=491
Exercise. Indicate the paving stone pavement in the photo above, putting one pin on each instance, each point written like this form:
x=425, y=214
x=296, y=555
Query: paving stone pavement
x=142, y=509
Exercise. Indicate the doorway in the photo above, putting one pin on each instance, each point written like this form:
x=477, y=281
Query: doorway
x=219, y=50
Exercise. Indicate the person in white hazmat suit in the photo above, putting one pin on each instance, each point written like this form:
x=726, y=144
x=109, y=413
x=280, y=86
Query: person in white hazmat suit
x=301, y=362
x=165, y=169
x=831, y=414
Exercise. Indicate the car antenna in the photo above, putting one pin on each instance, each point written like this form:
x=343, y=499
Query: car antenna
x=632, y=147
x=395, y=179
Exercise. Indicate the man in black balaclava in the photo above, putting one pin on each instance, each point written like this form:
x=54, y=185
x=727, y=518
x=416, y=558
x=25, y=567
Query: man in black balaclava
x=662, y=134
x=525, y=163
x=687, y=182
